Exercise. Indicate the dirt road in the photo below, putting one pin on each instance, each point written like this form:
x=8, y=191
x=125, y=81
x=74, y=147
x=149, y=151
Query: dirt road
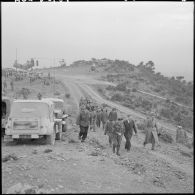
x=90, y=167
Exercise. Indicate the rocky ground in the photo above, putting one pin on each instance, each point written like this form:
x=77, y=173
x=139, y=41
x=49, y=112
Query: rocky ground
x=90, y=167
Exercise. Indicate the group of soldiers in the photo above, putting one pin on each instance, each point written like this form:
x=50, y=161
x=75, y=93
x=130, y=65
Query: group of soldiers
x=114, y=126
x=5, y=85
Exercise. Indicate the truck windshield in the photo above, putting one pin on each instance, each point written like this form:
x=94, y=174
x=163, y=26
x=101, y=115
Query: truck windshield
x=29, y=109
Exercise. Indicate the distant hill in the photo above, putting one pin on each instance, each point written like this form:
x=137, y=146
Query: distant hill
x=131, y=80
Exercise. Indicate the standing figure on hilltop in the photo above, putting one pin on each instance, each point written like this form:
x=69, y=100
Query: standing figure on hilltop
x=151, y=135
x=83, y=120
x=104, y=118
x=113, y=115
x=39, y=96
x=118, y=131
x=129, y=125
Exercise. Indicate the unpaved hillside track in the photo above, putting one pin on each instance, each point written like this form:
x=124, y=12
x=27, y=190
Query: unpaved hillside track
x=91, y=167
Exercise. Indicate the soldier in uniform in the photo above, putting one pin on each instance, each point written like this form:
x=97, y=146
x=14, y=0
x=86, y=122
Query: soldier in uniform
x=118, y=131
x=83, y=120
x=113, y=115
x=98, y=118
x=12, y=85
x=104, y=118
x=39, y=96
x=109, y=131
x=151, y=135
x=181, y=136
x=92, y=119
x=129, y=125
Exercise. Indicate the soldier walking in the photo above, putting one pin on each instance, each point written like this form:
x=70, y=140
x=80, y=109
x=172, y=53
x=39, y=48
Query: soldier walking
x=92, y=119
x=98, y=118
x=118, y=131
x=104, y=118
x=151, y=132
x=109, y=131
x=83, y=120
x=129, y=125
x=113, y=115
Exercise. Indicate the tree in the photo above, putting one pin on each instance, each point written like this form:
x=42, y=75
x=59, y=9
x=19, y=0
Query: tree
x=179, y=78
x=150, y=65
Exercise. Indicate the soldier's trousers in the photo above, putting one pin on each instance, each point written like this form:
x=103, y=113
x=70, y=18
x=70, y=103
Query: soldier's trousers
x=116, y=141
x=83, y=132
x=103, y=125
x=128, y=141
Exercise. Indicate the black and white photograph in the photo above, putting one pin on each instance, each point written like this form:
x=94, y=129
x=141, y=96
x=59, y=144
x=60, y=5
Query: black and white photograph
x=97, y=97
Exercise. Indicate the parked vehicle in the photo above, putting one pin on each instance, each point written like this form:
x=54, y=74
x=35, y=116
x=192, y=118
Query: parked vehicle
x=58, y=113
x=5, y=111
x=32, y=119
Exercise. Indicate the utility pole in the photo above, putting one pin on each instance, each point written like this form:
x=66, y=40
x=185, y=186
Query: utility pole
x=54, y=75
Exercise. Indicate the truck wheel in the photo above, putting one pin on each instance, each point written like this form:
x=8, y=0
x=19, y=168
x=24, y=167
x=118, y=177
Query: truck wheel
x=58, y=136
x=64, y=128
x=50, y=139
x=2, y=132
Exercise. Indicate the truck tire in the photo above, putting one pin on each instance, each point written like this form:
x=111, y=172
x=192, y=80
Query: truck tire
x=58, y=136
x=50, y=139
x=64, y=128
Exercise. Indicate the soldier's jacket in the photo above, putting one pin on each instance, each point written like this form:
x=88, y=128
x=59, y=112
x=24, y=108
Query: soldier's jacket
x=118, y=128
x=83, y=118
x=151, y=131
x=92, y=117
x=109, y=127
x=104, y=116
x=112, y=116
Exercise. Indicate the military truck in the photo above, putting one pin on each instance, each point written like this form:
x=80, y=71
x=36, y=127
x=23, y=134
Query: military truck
x=31, y=119
x=5, y=111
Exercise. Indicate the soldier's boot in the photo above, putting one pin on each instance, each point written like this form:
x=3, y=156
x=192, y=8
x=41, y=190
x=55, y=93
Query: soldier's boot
x=113, y=148
x=110, y=142
x=153, y=145
x=117, y=150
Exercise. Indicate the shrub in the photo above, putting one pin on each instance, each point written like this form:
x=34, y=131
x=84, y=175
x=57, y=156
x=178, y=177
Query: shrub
x=134, y=90
x=56, y=93
x=117, y=97
x=166, y=137
x=121, y=86
x=67, y=95
x=141, y=126
x=110, y=87
x=164, y=112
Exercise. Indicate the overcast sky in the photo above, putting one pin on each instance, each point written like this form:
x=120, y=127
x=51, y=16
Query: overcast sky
x=133, y=31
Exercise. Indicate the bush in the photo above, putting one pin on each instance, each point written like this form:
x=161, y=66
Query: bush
x=141, y=126
x=167, y=113
x=67, y=95
x=100, y=90
x=157, y=90
x=117, y=97
x=121, y=86
x=57, y=93
x=134, y=90
x=166, y=137
x=110, y=87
